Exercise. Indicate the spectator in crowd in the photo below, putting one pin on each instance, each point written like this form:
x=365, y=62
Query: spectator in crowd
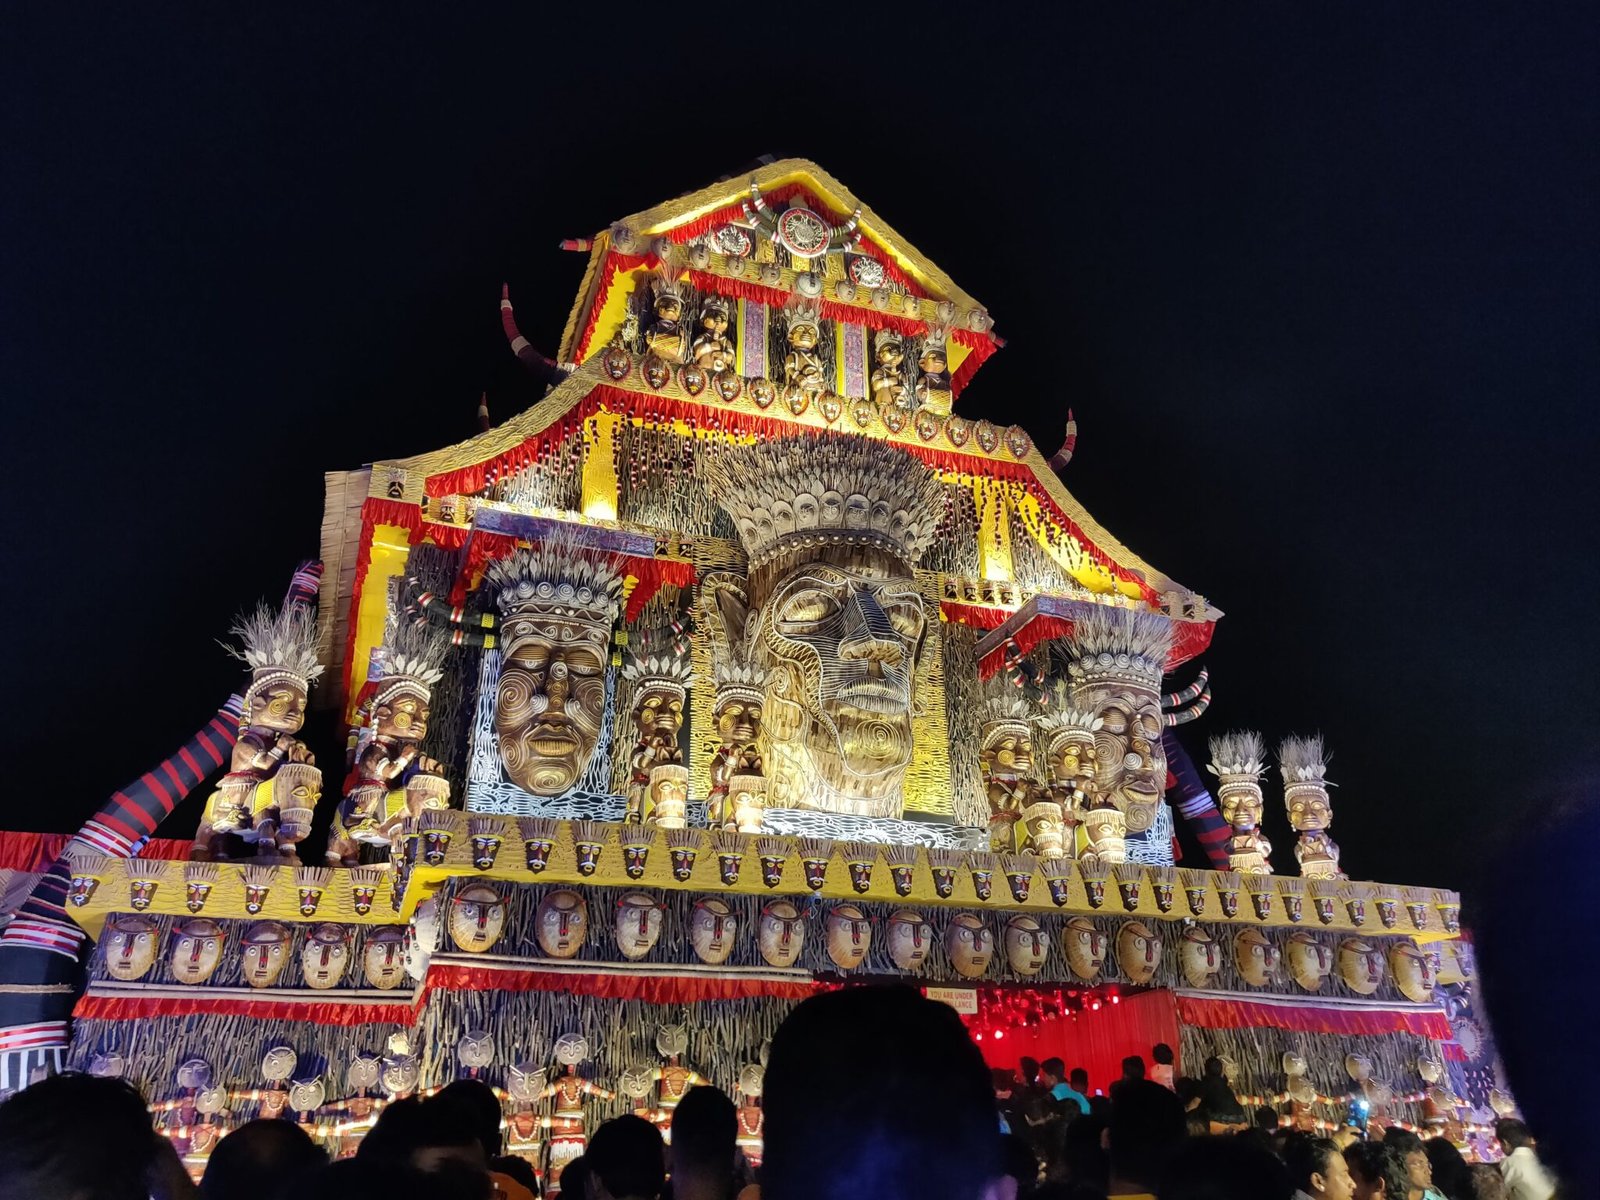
x=1004, y=1098
x=1078, y=1081
x=704, y=1151
x=1525, y=1176
x=1080, y=1164
x=1147, y=1125
x=1452, y=1178
x=1223, y=1169
x=1317, y=1169
x=878, y=1092
x=1378, y=1171
x=1165, y=1068
x=1419, y=1169
x=1133, y=1067
x=1487, y=1182
x=261, y=1160
x=1053, y=1074
x=78, y=1137
x=626, y=1160
x=1222, y=1107
x=435, y=1138
x=1265, y=1118
x=577, y=1180
x=365, y=1179
x=1028, y=1071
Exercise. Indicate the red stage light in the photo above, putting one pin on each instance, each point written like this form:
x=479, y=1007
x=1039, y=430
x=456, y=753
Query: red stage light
x=998, y=1034
x=1116, y=999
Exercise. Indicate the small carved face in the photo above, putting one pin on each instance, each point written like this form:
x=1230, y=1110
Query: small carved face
x=889, y=354
x=970, y=945
x=550, y=699
x=196, y=950
x=782, y=933
x=1360, y=965
x=1085, y=947
x=803, y=336
x=279, y=706
x=1309, y=809
x=1072, y=760
x=933, y=360
x=638, y=925
x=738, y=721
x=1199, y=957
x=714, y=320
x=1241, y=805
x=1309, y=961
x=405, y=717
x=849, y=936
x=383, y=958
x=1138, y=951
x=266, y=950
x=668, y=307
x=712, y=930
x=1026, y=945
x=325, y=955
x=1413, y=973
x=910, y=939
x=1255, y=956
x=1007, y=753
x=659, y=713
x=477, y=917
x=561, y=923
x=130, y=946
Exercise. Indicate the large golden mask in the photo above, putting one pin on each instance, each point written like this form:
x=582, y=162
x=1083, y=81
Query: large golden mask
x=1413, y=972
x=477, y=918
x=1360, y=966
x=1199, y=957
x=325, y=956
x=383, y=959
x=1085, y=947
x=1309, y=960
x=1138, y=951
x=551, y=700
x=1130, y=767
x=1255, y=956
x=842, y=648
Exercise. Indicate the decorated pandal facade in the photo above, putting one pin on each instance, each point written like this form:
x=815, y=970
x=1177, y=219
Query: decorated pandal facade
x=738, y=667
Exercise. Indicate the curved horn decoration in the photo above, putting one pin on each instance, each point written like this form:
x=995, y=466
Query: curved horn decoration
x=542, y=366
x=1192, y=713
x=1174, y=699
x=436, y=611
x=1069, y=445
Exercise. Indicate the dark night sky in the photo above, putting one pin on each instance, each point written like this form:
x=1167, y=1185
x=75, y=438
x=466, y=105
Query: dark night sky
x=1320, y=283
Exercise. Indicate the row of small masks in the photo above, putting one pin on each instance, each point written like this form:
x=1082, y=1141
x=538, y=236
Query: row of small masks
x=562, y=924
x=132, y=943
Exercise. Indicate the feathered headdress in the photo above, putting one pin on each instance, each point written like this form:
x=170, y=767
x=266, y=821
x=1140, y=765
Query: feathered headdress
x=277, y=646
x=413, y=661
x=557, y=577
x=1238, y=757
x=1118, y=647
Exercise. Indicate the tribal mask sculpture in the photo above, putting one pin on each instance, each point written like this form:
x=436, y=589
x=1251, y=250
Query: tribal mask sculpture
x=477, y=918
x=781, y=934
x=638, y=925
x=325, y=956
x=1085, y=947
x=712, y=930
x=383, y=959
x=1309, y=960
x=266, y=951
x=1115, y=660
x=660, y=683
x=196, y=950
x=910, y=939
x=834, y=528
x=1303, y=764
x=561, y=923
x=969, y=944
x=1360, y=966
x=1027, y=945
x=557, y=608
x=1198, y=957
x=131, y=945
x=1005, y=755
x=1238, y=760
x=1138, y=952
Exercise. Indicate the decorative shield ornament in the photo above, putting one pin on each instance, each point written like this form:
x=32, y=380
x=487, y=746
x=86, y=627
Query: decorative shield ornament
x=1388, y=913
x=617, y=363
x=763, y=392
x=1018, y=441
x=692, y=378
x=729, y=385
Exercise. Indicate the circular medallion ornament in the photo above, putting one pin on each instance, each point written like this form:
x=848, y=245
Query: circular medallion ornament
x=307, y=1095
x=278, y=1063
x=730, y=239
x=803, y=233
x=1469, y=1037
x=868, y=272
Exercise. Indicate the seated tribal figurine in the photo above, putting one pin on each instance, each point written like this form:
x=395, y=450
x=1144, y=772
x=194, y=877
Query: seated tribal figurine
x=933, y=384
x=390, y=779
x=1238, y=761
x=712, y=349
x=660, y=682
x=802, y=368
x=736, y=713
x=665, y=335
x=1006, y=758
x=888, y=380
x=1303, y=764
x=281, y=651
x=1068, y=735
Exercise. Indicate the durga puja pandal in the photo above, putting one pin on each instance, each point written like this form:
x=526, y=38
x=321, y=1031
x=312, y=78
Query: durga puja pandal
x=738, y=667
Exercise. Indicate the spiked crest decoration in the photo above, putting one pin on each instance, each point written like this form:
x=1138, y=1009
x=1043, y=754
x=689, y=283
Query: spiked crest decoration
x=277, y=647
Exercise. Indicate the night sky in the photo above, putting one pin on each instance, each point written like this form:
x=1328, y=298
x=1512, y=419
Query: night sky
x=1319, y=282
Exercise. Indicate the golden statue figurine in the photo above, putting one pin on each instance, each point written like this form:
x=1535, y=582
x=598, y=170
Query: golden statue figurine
x=933, y=379
x=713, y=349
x=802, y=368
x=665, y=335
x=557, y=605
x=1303, y=765
x=1238, y=760
x=1068, y=737
x=392, y=779
x=736, y=713
x=280, y=649
x=833, y=617
x=888, y=377
x=1005, y=756
x=660, y=682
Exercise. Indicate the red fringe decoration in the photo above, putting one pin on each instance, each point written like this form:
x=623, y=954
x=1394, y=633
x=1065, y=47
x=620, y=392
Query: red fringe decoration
x=655, y=989
x=652, y=574
x=982, y=346
x=975, y=616
x=322, y=1012
x=1190, y=638
x=1210, y=1013
x=615, y=262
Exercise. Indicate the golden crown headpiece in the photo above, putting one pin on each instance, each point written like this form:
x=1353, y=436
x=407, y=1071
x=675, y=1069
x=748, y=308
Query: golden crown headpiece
x=555, y=578
x=1068, y=721
x=413, y=661
x=277, y=646
x=1238, y=757
x=937, y=337
x=1118, y=647
x=887, y=337
x=1004, y=715
x=714, y=302
x=792, y=494
x=740, y=681
x=1303, y=763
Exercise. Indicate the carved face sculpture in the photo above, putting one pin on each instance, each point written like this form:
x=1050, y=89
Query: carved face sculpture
x=1198, y=956
x=325, y=955
x=738, y=720
x=383, y=958
x=782, y=934
x=1308, y=807
x=1309, y=961
x=1138, y=951
x=130, y=946
x=1360, y=966
x=1241, y=804
x=403, y=717
x=842, y=648
x=266, y=950
x=279, y=705
x=1085, y=947
x=196, y=950
x=1072, y=759
x=1413, y=973
x=1130, y=766
x=910, y=939
x=477, y=917
x=551, y=698
x=970, y=945
x=561, y=923
x=849, y=936
x=1026, y=945
x=712, y=930
x=658, y=713
x=638, y=925
x=1255, y=956
x=1007, y=751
